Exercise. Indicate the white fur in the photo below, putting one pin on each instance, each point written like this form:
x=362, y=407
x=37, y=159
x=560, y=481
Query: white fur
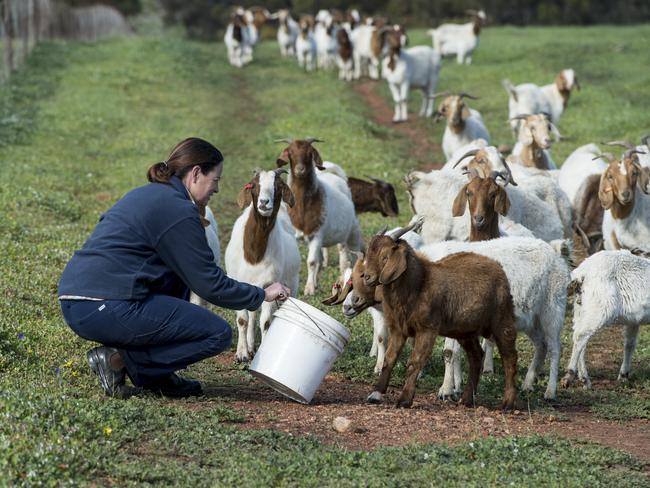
x=416, y=67
x=364, y=58
x=612, y=288
x=306, y=51
x=578, y=167
x=632, y=231
x=239, y=53
x=538, y=280
x=281, y=263
x=474, y=129
x=456, y=39
x=287, y=33
x=212, y=236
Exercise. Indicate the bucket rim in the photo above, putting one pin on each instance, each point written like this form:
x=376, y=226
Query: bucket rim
x=331, y=340
x=323, y=318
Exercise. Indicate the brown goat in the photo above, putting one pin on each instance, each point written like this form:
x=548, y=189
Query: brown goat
x=344, y=45
x=375, y=196
x=618, y=182
x=462, y=296
x=487, y=201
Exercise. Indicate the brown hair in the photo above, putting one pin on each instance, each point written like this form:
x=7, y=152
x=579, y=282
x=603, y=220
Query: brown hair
x=186, y=154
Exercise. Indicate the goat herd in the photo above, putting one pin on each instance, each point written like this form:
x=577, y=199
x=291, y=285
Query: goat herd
x=505, y=269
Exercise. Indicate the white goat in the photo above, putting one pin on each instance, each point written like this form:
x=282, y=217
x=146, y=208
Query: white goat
x=306, y=48
x=365, y=57
x=538, y=279
x=458, y=39
x=262, y=249
x=288, y=31
x=610, y=288
x=325, y=38
x=578, y=167
x=324, y=211
x=212, y=236
x=416, y=67
x=534, y=139
x=237, y=42
x=464, y=124
x=529, y=98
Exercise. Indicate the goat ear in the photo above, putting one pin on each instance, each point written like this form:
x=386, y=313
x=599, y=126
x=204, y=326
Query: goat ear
x=605, y=193
x=316, y=159
x=244, y=199
x=287, y=195
x=525, y=135
x=460, y=202
x=395, y=266
x=501, y=202
x=644, y=179
x=465, y=113
x=283, y=158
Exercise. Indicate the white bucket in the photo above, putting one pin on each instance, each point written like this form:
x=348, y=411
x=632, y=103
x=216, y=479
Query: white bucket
x=298, y=350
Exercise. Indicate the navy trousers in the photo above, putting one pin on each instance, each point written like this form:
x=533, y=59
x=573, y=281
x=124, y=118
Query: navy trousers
x=155, y=336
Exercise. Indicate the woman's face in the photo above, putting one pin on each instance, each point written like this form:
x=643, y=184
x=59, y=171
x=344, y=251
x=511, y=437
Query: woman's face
x=202, y=186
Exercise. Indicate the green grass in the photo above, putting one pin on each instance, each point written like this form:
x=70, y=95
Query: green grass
x=79, y=126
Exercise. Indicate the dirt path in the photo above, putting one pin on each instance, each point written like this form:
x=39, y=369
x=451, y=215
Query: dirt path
x=428, y=421
x=424, y=149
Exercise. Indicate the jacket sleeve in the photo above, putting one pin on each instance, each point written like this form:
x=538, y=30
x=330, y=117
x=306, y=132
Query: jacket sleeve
x=184, y=248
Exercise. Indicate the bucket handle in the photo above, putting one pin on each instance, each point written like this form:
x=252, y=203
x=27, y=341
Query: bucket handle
x=306, y=315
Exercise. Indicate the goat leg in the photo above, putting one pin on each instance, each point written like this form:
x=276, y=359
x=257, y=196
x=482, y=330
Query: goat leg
x=423, y=345
x=395, y=345
x=506, y=344
x=474, y=353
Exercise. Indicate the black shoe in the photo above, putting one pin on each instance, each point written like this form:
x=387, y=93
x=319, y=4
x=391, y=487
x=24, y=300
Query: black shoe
x=175, y=386
x=111, y=380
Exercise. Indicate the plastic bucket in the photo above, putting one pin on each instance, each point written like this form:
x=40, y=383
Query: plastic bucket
x=298, y=350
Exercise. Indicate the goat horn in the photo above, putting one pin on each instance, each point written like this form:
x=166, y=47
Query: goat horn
x=280, y=171
x=609, y=156
x=400, y=232
x=311, y=140
x=546, y=114
x=288, y=140
x=467, y=95
x=510, y=179
x=382, y=231
x=625, y=144
x=630, y=152
x=467, y=155
x=495, y=174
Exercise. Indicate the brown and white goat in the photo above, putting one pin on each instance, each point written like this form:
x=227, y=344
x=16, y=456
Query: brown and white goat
x=375, y=196
x=262, y=249
x=462, y=296
x=536, y=133
x=463, y=123
x=344, y=53
x=323, y=210
x=626, y=222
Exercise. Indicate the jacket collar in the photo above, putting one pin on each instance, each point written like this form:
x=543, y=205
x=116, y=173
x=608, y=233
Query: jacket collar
x=178, y=185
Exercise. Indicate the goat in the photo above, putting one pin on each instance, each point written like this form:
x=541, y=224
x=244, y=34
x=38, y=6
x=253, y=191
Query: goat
x=375, y=196
x=424, y=299
x=529, y=98
x=626, y=222
x=577, y=167
x=343, y=292
x=288, y=31
x=368, y=42
x=610, y=287
x=306, y=46
x=535, y=137
x=212, y=236
x=458, y=39
x=403, y=69
x=463, y=123
x=262, y=249
x=326, y=45
x=237, y=42
x=344, y=58
x=324, y=211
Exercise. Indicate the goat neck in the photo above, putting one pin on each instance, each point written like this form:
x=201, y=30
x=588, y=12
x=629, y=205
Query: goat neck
x=489, y=231
x=533, y=156
x=307, y=213
x=563, y=89
x=256, y=233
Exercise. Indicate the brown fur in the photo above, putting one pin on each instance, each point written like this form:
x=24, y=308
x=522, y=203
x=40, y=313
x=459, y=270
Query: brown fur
x=455, y=113
x=563, y=86
x=462, y=296
x=236, y=31
x=345, y=46
x=376, y=196
x=487, y=201
x=377, y=41
x=307, y=213
x=589, y=215
x=258, y=228
x=478, y=23
x=532, y=154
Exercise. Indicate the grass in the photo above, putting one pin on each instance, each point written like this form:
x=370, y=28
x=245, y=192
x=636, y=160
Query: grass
x=79, y=126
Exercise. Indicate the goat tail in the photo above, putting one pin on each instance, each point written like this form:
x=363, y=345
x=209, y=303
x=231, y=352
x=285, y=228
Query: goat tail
x=510, y=88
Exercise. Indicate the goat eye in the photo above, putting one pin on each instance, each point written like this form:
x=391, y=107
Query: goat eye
x=609, y=177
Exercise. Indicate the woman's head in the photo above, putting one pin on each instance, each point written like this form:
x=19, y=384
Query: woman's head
x=184, y=157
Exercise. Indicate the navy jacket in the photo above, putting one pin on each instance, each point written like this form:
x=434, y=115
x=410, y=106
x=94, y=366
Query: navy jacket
x=152, y=241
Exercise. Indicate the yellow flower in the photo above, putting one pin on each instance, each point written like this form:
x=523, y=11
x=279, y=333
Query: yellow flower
x=68, y=364
x=108, y=431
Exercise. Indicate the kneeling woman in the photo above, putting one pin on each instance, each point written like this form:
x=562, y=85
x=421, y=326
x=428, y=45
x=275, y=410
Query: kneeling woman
x=128, y=286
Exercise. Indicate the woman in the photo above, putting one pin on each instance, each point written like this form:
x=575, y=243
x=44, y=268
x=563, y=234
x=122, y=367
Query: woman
x=127, y=288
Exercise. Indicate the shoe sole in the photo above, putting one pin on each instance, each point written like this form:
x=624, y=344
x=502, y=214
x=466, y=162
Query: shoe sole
x=93, y=361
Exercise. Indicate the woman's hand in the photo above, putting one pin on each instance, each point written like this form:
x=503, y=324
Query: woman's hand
x=276, y=291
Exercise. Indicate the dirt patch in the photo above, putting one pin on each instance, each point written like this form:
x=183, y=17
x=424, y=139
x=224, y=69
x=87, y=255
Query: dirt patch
x=428, y=421
x=418, y=130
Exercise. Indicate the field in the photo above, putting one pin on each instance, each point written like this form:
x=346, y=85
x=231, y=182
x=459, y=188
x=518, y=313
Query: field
x=79, y=126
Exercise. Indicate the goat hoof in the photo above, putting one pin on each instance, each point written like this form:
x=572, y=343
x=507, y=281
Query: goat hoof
x=404, y=403
x=568, y=379
x=623, y=377
x=446, y=397
x=375, y=397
